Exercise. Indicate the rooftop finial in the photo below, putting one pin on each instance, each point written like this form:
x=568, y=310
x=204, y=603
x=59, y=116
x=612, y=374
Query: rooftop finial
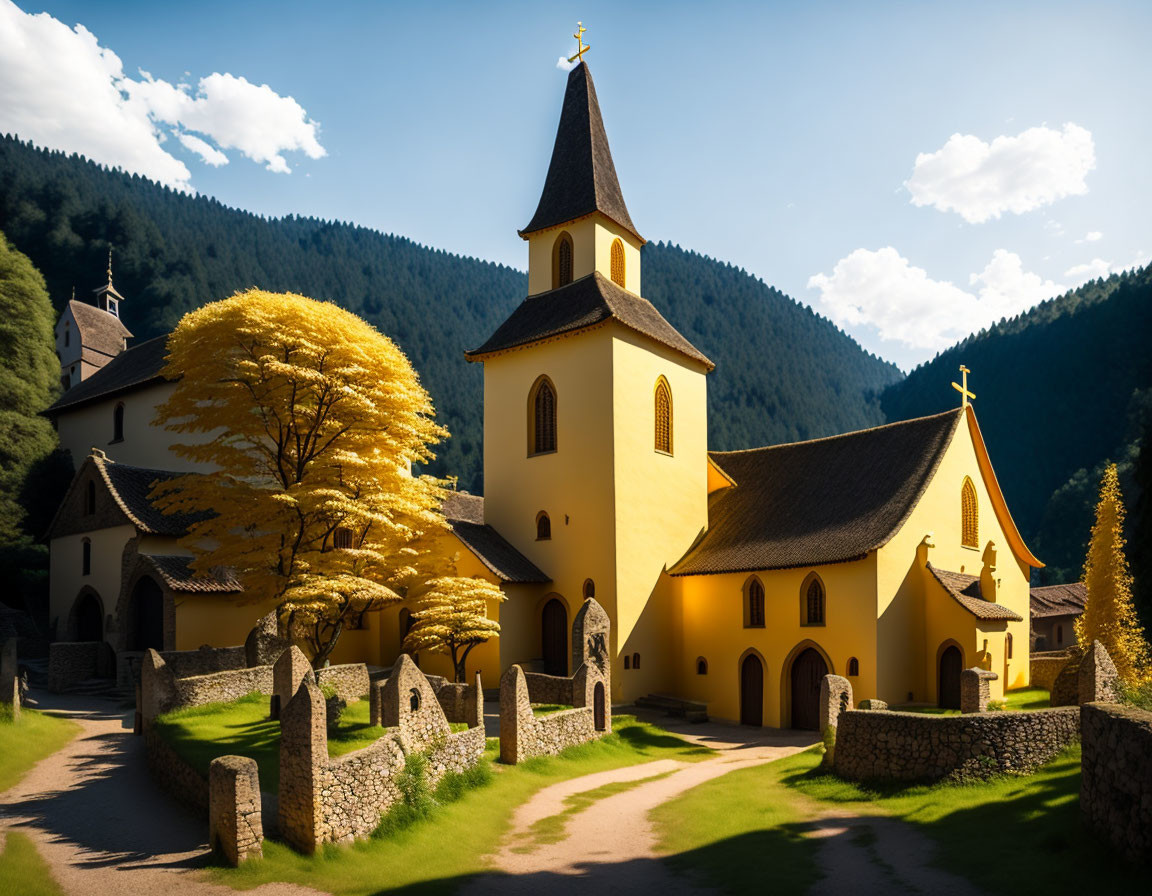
x=581, y=49
x=963, y=389
x=109, y=265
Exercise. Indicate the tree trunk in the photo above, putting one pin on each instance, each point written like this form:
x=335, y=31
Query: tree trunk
x=324, y=650
x=458, y=665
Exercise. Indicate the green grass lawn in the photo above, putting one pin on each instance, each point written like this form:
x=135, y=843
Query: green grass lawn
x=1021, y=698
x=461, y=833
x=23, y=871
x=242, y=728
x=1011, y=835
x=547, y=709
x=26, y=742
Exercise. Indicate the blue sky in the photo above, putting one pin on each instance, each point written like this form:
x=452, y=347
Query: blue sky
x=780, y=137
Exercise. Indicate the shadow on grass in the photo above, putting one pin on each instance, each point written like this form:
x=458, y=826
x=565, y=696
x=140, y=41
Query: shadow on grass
x=645, y=738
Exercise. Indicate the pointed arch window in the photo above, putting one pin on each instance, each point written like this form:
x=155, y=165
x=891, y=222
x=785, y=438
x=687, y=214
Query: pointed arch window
x=589, y=589
x=562, y=261
x=969, y=515
x=663, y=402
x=118, y=423
x=542, y=417
x=618, y=261
x=753, y=603
x=812, y=601
x=543, y=527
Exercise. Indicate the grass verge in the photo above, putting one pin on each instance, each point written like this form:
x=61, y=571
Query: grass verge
x=23, y=871
x=24, y=743
x=459, y=834
x=547, y=709
x=1019, y=699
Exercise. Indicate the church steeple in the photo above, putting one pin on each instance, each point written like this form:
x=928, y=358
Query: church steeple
x=581, y=176
x=107, y=298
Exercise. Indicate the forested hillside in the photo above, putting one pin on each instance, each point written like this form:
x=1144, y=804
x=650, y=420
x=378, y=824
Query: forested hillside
x=1060, y=390
x=782, y=372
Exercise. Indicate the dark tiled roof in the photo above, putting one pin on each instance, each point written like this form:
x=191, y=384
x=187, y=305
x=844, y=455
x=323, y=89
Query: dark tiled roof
x=581, y=177
x=465, y=514
x=130, y=487
x=1059, y=600
x=824, y=501
x=178, y=575
x=135, y=367
x=965, y=590
x=584, y=303
x=100, y=332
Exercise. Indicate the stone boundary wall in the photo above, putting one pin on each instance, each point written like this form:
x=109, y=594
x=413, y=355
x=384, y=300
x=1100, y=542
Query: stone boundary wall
x=1087, y=676
x=1116, y=782
x=524, y=735
x=549, y=688
x=460, y=702
x=908, y=746
x=162, y=691
x=173, y=774
x=71, y=662
x=350, y=680
x=9, y=678
x=326, y=800
x=975, y=689
x=204, y=660
x=1044, y=667
x=235, y=825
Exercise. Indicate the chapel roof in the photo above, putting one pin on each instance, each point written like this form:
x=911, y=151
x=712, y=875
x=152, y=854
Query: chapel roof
x=591, y=301
x=581, y=176
x=138, y=366
x=827, y=500
x=177, y=574
x=130, y=488
x=99, y=331
x=965, y=590
x=465, y=514
x=1058, y=600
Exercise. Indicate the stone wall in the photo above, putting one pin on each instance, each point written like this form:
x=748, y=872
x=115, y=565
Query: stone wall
x=975, y=689
x=460, y=702
x=1044, y=667
x=235, y=828
x=173, y=774
x=524, y=735
x=835, y=698
x=549, y=688
x=204, y=661
x=350, y=680
x=1116, y=784
x=908, y=746
x=9, y=678
x=325, y=800
x=162, y=691
x=1087, y=676
x=70, y=662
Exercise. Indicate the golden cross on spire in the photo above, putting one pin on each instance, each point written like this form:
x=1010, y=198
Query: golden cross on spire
x=963, y=389
x=581, y=49
x=109, y=265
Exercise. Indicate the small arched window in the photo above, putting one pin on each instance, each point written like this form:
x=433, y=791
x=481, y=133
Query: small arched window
x=813, y=602
x=85, y=557
x=562, y=261
x=90, y=498
x=118, y=423
x=663, y=416
x=342, y=539
x=754, y=603
x=543, y=527
x=414, y=700
x=969, y=515
x=627, y=661
x=589, y=589
x=542, y=417
x=618, y=261
x=635, y=661
x=853, y=666
x=701, y=666
x=1008, y=645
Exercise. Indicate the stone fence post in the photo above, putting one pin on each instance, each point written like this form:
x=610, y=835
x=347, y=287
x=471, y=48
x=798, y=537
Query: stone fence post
x=303, y=760
x=289, y=670
x=235, y=825
x=974, y=689
x=835, y=698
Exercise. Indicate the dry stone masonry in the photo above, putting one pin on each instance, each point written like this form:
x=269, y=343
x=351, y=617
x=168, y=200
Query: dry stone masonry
x=71, y=662
x=835, y=697
x=350, y=681
x=974, y=689
x=162, y=691
x=1087, y=676
x=235, y=828
x=1116, y=784
x=290, y=669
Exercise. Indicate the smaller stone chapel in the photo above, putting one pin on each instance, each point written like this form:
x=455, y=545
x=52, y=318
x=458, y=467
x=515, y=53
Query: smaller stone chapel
x=733, y=579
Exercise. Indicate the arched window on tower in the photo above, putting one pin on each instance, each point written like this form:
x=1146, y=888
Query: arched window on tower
x=812, y=601
x=543, y=527
x=562, y=261
x=969, y=515
x=663, y=401
x=118, y=423
x=618, y=261
x=542, y=417
x=753, y=603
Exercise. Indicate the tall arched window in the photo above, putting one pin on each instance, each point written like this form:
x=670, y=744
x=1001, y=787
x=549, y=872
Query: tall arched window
x=90, y=498
x=562, y=261
x=1008, y=645
x=812, y=601
x=701, y=666
x=969, y=515
x=635, y=661
x=618, y=262
x=85, y=557
x=753, y=603
x=542, y=417
x=853, y=666
x=589, y=589
x=663, y=401
x=543, y=526
x=118, y=423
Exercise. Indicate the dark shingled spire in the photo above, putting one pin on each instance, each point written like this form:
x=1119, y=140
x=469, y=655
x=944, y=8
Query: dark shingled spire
x=581, y=177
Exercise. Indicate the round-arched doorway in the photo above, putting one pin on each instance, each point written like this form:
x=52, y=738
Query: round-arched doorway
x=951, y=663
x=146, y=616
x=752, y=691
x=88, y=618
x=554, y=637
x=808, y=670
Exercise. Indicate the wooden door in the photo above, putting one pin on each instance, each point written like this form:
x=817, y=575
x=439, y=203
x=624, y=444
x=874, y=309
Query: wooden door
x=808, y=670
x=751, y=691
x=554, y=638
x=599, y=711
x=950, y=665
x=147, y=622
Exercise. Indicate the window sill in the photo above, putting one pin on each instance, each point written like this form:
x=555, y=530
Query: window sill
x=541, y=453
x=665, y=453
x=813, y=624
x=754, y=626
x=971, y=547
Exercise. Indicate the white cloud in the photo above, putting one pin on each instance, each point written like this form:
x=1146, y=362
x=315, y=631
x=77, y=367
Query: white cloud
x=980, y=181
x=1092, y=236
x=911, y=310
x=1082, y=273
x=564, y=65
x=59, y=88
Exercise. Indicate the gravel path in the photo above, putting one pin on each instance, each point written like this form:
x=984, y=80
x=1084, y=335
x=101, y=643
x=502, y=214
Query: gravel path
x=100, y=823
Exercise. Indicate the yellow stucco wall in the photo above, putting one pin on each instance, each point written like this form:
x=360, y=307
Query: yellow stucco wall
x=65, y=572
x=217, y=620
x=592, y=238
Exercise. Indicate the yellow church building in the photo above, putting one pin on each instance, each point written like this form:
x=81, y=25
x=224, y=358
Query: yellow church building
x=733, y=579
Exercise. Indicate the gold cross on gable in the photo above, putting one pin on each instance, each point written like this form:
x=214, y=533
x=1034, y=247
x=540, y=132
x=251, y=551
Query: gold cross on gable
x=963, y=389
x=581, y=49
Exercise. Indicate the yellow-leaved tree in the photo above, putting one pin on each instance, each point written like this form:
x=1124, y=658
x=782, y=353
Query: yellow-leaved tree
x=452, y=618
x=310, y=420
x=1109, y=616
